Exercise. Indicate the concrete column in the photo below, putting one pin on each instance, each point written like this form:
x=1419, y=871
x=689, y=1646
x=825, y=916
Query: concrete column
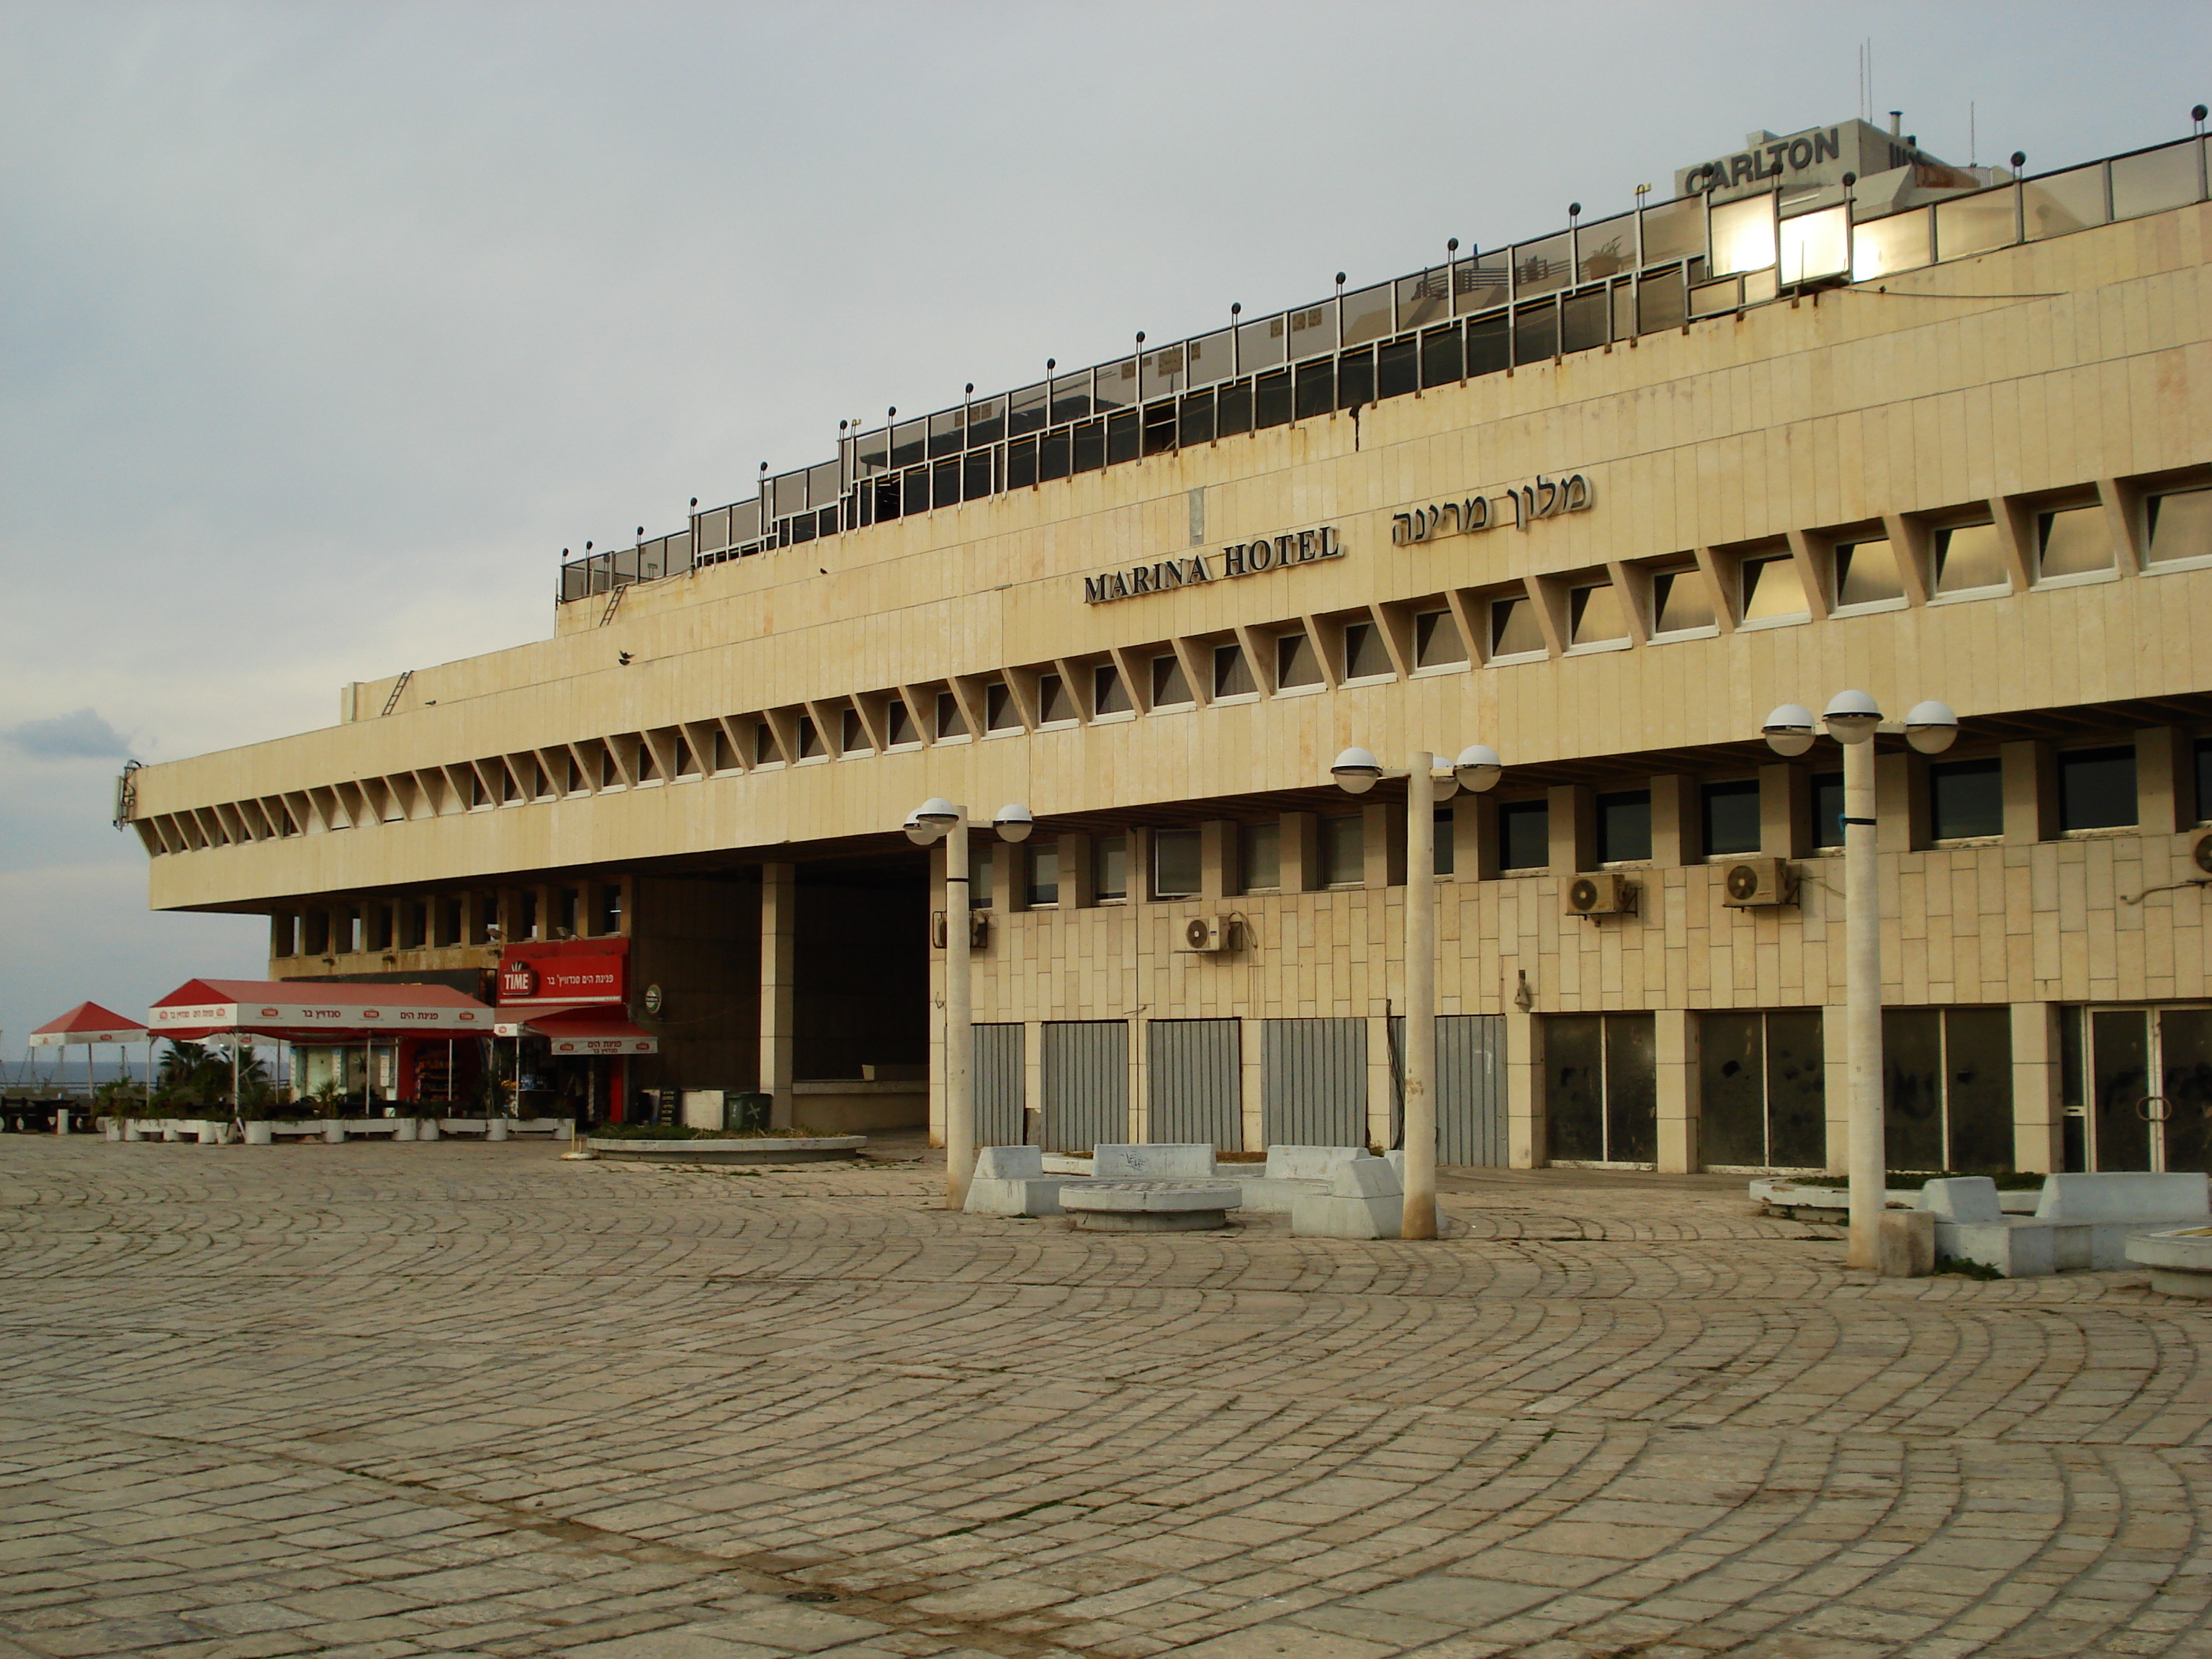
x=2031, y=792
x=1524, y=1092
x=1676, y=1045
x=1217, y=860
x=2166, y=779
x=1251, y=1049
x=2038, y=1114
x=1078, y=875
x=1477, y=828
x=1382, y=843
x=1836, y=1085
x=1300, y=849
x=1675, y=829
x=1574, y=829
x=779, y=929
x=1901, y=793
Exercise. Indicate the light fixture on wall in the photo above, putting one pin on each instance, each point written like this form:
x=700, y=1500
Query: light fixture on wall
x=1524, y=997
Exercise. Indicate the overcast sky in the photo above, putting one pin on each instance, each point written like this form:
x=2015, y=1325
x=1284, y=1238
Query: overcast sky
x=324, y=328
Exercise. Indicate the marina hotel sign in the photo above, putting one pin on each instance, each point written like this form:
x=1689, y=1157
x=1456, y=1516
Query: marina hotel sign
x=1520, y=507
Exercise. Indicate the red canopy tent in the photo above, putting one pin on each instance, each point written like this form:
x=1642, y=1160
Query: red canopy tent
x=89, y=1024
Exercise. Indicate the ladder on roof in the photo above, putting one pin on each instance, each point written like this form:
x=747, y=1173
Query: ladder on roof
x=397, y=686
x=614, y=603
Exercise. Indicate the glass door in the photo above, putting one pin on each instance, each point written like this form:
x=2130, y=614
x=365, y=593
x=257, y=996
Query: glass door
x=2149, y=1097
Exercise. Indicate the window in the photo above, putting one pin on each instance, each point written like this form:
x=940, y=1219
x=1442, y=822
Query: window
x=1344, y=851
x=1108, y=695
x=1000, y=711
x=1232, y=675
x=1679, y=601
x=1054, y=704
x=1170, y=688
x=1594, y=615
x=1175, y=863
x=1364, y=655
x=765, y=752
x=2204, y=779
x=1437, y=641
x=1770, y=589
x=687, y=763
x=810, y=744
x=1514, y=630
x=726, y=757
x=1623, y=827
x=1867, y=573
x=1109, y=867
x=1600, y=1088
x=1729, y=816
x=951, y=722
x=1762, y=1102
x=1294, y=661
x=1261, y=857
x=647, y=768
x=1445, y=860
x=1968, y=558
x=853, y=739
x=2096, y=788
x=899, y=720
x=1948, y=1088
x=2180, y=525
x=565, y=917
x=979, y=877
x=1044, y=873
x=2073, y=541
x=525, y=914
x=1827, y=809
x=1965, y=799
x=1525, y=834
x=510, y=790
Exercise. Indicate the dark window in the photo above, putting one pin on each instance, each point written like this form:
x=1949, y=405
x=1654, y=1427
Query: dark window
x=951, y=722
x=1160, y=427
x=1437, y=641
x=608, y=920
x=1000, y=711
x=1355, y=379
x=1232, y=675
x=1197, y=418
x=1108, y=695
x=2096, y=788
x=1364, y=655
x=1317, y=391
x=1021, y=470
x=1170, y=689
x=765, y=752
x=1584, y=323
x=1294, y=661
x=1964, y=797
x=1122, y=437
x=1827, y=809
x=1109, y=863
x=1600, y=1088
x=1442, y=360
x=810, y=740
x=900, y=721
x=979, y=877
x=2203, y=780
x=916, y=498
x=974, y=475
x=567, y=912
x=1444, y=862
x=1535, y=333
x=1232, y=411
x=1053, y=701
x=1343, y=850
x=645, y=768
x=1262, y=857
x=1488, y=347
x=1272, y=399
x=1761, y=1097
x=1525, y=834
x=1623, y=827
x=1044, y=872
x=1947, y=1093
x=1730, y=823
x=1053, y=455
x=1175, y=863
x=1397, y=368
x=853, y=740
x=1090, y=446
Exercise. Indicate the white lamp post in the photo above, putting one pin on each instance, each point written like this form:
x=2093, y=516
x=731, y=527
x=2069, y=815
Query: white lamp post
x=1852, y=718
x=935, y=820
x=1357, y=771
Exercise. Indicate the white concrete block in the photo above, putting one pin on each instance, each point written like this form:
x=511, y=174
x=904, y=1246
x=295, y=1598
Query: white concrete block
x=1315, y=1215
x=2015, y=1247
x=2126, y=1195
x=1962, y=1198
x=1009, y=1162
x=1017, y=1195
x=1308, y=1163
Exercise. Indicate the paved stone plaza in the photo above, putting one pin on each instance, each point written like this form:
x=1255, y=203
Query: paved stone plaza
x=461, y=1399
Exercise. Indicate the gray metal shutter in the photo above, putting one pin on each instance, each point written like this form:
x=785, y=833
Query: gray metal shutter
x=998, y=1085
x=1086, y=1065
x=1313, y=1082
x=1470, y=1088
x=1193, y=1076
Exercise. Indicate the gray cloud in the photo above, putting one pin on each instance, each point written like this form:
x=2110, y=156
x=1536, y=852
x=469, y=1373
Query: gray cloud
x=81, y=734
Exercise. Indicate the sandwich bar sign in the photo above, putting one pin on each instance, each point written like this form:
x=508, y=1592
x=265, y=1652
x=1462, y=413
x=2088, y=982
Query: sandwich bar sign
x=1245, y=559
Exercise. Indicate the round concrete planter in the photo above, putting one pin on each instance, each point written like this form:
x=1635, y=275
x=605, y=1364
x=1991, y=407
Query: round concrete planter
x=2180, y=1262
x=1150, y=1206
x=809, y=1149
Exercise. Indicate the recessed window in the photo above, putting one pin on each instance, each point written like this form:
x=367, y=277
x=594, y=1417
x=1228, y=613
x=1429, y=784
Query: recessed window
x=1000, y=711
x=1364, y=655
x=647, y=768
x=856, y=735
x=1343, y=850
x=1175, y=864
x=765, y=752
x=1968, y=557
x=1680, y=601
x=1623, y=827
x=1232, y=675
x=1444, y=861
x=1044, y=872
x=1109, y=868
x=1054, y=704
x=950, y=721
x=1525, y=834
x=2180, y=525
x=1295, y=662
x=979, y=877
x=1170, y=688
x=608, y=919
x=1514, y=631
x=1437, y=640
x=2097, y=788
x=1594, y=616
x=1827, y=809
x=810, y=745
x=725, y=758
x=1261, y=854
x=2074, y=541
x=1867, y=573
x=1965, y=799
x=1770, y=589
x=900, y=721
x=1108, y=696
x=1730, y=817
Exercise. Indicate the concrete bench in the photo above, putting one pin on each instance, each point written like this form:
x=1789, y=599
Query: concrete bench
x=1971, y=1225
x=1012, y=1180
x=2096, y=1214
x=1163, y=1161
x=2180, y=1259
x=1150, y=1206
x=1296, y=1171
x=1366, y=1200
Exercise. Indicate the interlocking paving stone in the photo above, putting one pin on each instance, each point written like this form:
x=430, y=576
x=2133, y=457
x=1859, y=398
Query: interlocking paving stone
x=377, y=1400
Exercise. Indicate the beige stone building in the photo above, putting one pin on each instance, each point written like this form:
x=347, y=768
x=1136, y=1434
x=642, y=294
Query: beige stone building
x=1848, y=418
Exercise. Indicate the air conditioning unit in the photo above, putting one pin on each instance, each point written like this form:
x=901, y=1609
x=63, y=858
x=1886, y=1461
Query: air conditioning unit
x=1601, y=893
x=979, y=929
x=1747, y=882
x=2201, y=853
x=1207, y=933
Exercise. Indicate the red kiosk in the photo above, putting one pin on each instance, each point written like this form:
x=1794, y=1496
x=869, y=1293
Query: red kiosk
x=565, y=1005
x=420, y=1026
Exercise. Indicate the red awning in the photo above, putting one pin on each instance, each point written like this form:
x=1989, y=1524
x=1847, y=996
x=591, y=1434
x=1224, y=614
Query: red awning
x=312, y=1011
x=87, y=1023
x=590, y=1029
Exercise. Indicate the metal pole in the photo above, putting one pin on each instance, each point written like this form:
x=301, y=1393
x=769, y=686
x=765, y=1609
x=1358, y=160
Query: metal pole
x=1420, y=1126
x=959, y=1032
x=1867, y=1158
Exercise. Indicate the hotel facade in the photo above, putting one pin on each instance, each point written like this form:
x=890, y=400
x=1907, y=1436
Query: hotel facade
x=1837, y=416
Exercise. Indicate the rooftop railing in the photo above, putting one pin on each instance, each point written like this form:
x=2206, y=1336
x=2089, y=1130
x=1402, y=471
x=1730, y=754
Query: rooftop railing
x=1579, y=289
